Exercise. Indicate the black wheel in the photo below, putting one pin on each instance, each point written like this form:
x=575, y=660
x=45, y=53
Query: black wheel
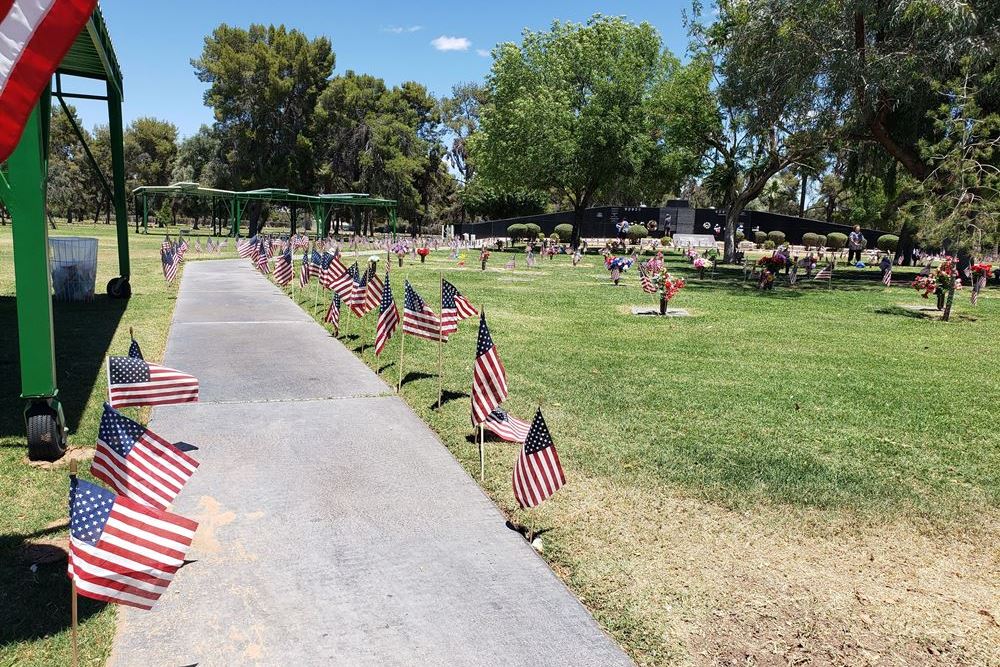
x=46, y=439
x=119, y=288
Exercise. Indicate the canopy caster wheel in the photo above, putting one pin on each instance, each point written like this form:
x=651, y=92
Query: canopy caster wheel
x=119, y=288
x=46, y=433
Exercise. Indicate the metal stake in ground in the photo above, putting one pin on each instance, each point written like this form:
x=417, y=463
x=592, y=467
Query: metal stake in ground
x=441, y=341
x=402, y=338
x=482, y=453
x=73, y=614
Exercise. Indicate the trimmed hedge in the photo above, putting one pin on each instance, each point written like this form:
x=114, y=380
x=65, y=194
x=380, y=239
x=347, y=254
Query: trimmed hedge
x=810, y=240
x=759, y=238
x=887, y=242
x=836, y=240
x=565, y=232
x=636, y=232
x=777, y=237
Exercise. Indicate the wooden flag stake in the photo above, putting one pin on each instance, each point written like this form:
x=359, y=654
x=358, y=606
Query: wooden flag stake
x=402, y=339
x=441, y=341
x=73, y=613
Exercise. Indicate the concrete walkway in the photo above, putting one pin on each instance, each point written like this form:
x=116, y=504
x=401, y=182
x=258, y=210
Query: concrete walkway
x=336, y=529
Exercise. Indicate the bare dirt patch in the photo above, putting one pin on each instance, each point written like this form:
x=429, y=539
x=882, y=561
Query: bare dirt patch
x=684, y=582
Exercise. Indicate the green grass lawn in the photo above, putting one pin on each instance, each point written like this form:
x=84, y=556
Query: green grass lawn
x=835, y=408
x=790, y=419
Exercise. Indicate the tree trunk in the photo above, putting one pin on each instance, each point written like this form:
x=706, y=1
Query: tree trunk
x=946, y=315
x=732, y=219
x=904, y=248
x=802, y=195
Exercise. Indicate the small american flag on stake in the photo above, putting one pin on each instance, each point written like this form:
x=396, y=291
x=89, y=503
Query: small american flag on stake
x=133, y=349
x=418, y=318
x=120, y=550
x=537, y=471
x=333, y=314
x=305, y=273
x=826, y=273
x=283, y=272
x=137, y=463
x=454, y=309
x=388, y=318
x=344, y=283
x=506, y=426
x=333, y=270
x=646, y=281
x=976, y=287
x=887, y=278
x=489, y=377
x=134, y=382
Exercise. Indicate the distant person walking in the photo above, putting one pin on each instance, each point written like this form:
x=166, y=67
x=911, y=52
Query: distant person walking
x=855, y=243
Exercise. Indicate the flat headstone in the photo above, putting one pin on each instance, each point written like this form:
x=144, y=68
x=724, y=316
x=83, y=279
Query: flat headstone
x=671, y=312
x=918, y=308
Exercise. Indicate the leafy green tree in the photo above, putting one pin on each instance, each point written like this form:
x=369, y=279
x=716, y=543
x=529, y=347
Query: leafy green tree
x=460, y=116
x=570, y=111
x=69, y=173
x=483, y=200
x=264, y=83
x=150, y=151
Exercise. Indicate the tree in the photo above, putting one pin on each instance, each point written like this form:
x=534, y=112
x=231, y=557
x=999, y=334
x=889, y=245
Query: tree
x=150, y=151
x=771, y=113
x=460, y=116
x=569, y=111
x=69, y=173
x=264, y=83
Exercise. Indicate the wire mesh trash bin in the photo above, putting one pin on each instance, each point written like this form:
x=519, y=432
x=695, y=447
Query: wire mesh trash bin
x=73, y=261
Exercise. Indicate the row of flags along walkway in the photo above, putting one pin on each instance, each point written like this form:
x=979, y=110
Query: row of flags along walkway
x=125, y=546
x=538, y=472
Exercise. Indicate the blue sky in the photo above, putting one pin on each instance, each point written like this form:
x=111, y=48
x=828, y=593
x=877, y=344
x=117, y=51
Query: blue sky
x=437, y=44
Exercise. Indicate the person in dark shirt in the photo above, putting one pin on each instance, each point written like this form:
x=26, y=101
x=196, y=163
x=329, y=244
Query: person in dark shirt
x=855, y=244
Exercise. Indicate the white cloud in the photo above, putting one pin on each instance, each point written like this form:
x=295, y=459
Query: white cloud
x=398, y=30
x=446, y=43
x=483, y=53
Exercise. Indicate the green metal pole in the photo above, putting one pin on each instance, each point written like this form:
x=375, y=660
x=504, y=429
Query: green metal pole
x=145, y=214
x=33, y=285
x=118, y=176
x=392, y=217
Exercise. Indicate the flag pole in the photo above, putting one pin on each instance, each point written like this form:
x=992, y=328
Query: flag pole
x=73, y=612
x=482, y=453
x=441, y=341
x=402, y=339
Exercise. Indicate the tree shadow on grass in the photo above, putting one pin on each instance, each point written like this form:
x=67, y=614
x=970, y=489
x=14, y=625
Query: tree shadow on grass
x=386, y=367
x=447, y=396
x=83, y=332
x=413, y=376
x=899, y=311
x=34, y=605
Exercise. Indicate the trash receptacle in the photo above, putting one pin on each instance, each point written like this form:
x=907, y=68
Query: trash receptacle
x=73, y=261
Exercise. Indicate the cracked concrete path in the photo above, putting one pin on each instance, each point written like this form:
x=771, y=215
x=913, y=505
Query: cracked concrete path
x=336, y=529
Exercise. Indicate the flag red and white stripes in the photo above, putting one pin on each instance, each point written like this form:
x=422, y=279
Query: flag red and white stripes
x=826, y=273
x=134, y=382
x=507, y=426
x=333, y=314
x=343, y=284
x=388, y=318
x=34, y=37
x=418, y=318
x=454, y=309
x=887, y=278
x=283, y=272
x=137, y=463
x=120, y=550
x=489, y=377
x=646, y=281
x=537, y=471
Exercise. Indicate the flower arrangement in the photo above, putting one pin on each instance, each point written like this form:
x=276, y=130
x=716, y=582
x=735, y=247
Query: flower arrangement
x=400, y=247
x=944, y=278
x=700, y=263
x=484, y=257
x=423, y=252
x=982, y=270
x=925, y=284
x=668, y=284
x=773, y=263
x=623, y=264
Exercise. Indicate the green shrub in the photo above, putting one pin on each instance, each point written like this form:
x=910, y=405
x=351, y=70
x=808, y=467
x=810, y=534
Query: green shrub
x=887, y=242
x=810, y=239
x=666, y=240
x=836, y=240
x=821, y=242
x=554, y=237
x=777, y=237
x=769, y=245
x=759, y=238
x=516, y=232
x=533, y=230
x=637, y=232
x=740, y=237
x=565, y=232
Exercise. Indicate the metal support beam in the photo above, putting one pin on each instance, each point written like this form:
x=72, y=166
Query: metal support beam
x=33, y=284
x=117, y=132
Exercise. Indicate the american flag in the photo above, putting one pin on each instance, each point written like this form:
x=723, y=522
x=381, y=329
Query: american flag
x=283, y=272
x=373, y=295
x=793, y=274
x=646, y=281
x=976, y=286
x=133, y=382
x=333, y=314
x=537, y=471
x=263, y=255
x=197, y=245
x=120, y=550
x=388, y=317
x=356, y=299
x=133, y=349
x=344, y=283
x=506, y=426
x=454, y=309
x=418, y=318
x=333, y=270
x=137, y=463
x=167, y=244
x=182, y=248
x=826, y=273
x=306, y=272
x=316, y=263
x=245, y=249
x=171, y=262
x=489, y=378
x=887, y=278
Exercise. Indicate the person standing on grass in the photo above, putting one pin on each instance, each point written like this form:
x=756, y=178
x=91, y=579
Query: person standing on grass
x=855, y=243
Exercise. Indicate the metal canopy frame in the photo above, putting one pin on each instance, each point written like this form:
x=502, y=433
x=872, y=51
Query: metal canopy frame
x=23, y=191
x=236, y=203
